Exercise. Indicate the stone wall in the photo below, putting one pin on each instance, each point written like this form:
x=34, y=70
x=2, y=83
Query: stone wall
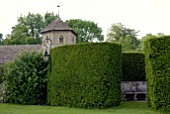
x=8, y=53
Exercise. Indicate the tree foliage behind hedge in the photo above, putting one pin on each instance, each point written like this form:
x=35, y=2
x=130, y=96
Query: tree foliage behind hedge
x=25, y=79
x=133, y=67
x=86, y=75
x=157, y=52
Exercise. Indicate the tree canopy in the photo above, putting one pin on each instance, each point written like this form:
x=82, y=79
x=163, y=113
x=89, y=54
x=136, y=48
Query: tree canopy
x=27, y=30
x=87, y=31
x=123, y=35
x=148, y=36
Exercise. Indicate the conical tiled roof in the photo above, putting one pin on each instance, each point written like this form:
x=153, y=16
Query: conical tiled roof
x=57, y=25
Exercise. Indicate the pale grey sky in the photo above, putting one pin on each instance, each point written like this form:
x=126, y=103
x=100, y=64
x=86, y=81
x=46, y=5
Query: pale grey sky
x=147, y=16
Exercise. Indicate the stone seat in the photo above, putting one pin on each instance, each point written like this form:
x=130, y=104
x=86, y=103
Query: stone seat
x=136, y=96
x=133, y=90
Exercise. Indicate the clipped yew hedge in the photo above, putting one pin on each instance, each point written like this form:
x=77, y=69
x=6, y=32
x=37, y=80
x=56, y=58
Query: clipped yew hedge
x=157, y=52
x=85, y=75
x=133, y=67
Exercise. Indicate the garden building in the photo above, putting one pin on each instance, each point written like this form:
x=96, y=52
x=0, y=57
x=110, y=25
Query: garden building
x=55, y=34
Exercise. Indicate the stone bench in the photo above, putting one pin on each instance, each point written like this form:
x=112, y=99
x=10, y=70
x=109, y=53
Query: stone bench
x=136, y=96
x=133, y=90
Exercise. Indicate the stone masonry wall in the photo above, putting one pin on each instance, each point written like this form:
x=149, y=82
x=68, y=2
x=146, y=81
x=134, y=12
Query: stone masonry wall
x=69, y=37
x=8, y=53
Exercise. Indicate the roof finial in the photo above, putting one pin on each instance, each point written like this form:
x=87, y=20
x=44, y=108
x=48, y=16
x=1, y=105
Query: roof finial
x=58, y=11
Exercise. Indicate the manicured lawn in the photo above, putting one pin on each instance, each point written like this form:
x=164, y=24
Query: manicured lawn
x=124, y=108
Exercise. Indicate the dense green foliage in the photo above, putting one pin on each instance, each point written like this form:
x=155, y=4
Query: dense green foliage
x=25, y=79
x=27, y=30
x=133, y=67
x=123, y=35
x=157, y=52
x=1, y=83
x=87, y=31
x=1, y=74
x=86, y=75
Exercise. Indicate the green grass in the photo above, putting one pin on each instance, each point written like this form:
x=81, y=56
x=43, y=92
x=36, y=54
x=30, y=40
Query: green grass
x=124, y=108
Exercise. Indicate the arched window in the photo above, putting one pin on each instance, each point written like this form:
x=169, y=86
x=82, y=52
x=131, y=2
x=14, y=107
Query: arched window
x=61, y=39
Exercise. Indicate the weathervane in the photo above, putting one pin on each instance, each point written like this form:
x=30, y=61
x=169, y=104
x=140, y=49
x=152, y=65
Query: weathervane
x=58, y=11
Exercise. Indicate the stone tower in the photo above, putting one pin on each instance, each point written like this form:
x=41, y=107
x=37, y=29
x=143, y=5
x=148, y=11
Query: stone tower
x=58, y=33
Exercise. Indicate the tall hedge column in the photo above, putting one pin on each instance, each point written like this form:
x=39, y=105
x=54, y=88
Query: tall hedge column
x=86, y=75
x=157, y=53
